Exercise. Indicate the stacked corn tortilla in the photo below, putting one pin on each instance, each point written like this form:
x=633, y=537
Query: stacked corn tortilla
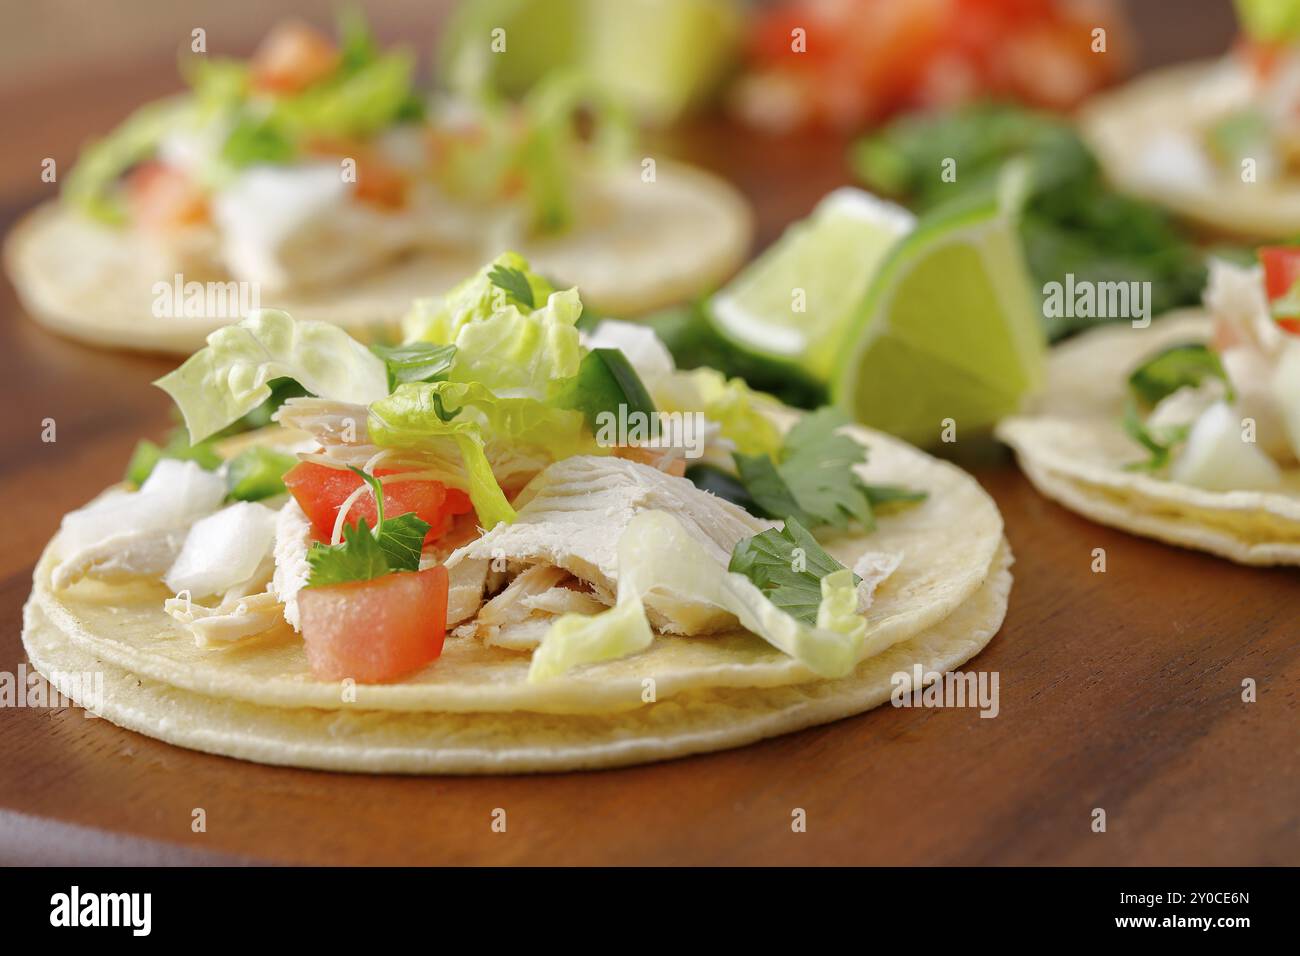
x=474, y=711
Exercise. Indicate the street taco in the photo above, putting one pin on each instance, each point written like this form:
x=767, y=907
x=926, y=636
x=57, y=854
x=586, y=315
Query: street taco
x=1187, y=430
x=505, y=545
x=1216, y=141
x=317, y=177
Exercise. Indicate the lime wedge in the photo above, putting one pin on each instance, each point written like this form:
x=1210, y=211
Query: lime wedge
x=948, y=328
x=794, y=301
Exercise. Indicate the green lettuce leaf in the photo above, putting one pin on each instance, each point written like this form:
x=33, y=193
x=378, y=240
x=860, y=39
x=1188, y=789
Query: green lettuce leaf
x=501, y=341
x=656, y=552
x=359, y=102
x=576, y=639
x=730, y=402
x=416, y=362
x=230, y=376
x=91, y=186
x=417, y=413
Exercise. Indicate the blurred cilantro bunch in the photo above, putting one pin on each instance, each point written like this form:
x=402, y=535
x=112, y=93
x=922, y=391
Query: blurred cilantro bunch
x=1072, y=221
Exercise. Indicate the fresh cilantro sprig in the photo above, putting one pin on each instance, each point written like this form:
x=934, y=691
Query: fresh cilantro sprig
x=812, y=479
x=1159, y=443
x=787, y=566
x=394, y=545
x=416, y=362
x=514, y=283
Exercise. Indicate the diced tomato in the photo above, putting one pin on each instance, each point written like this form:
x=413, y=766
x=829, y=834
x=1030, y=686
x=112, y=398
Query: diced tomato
x=376, y=630
x=1281, y=269
x=321, y=491
x=163, y=197
x=1281, y=272
x=291, y=58
x=378, y=181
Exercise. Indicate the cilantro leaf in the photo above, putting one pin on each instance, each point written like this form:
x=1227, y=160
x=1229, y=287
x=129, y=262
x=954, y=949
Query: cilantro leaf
x=416, y=362
x=402, y=540
x=358, y=557
x=1158, y=443
x=787, y=566
x=813, y=481
x=515, y=284
x=362, y=555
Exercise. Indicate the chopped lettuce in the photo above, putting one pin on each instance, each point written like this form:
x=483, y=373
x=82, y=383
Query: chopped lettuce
x=729, y=402
x=357, y=103
x=230, y=376
x=419, y=412
x=656, y=552
x=416, y=362
x=501, y=341
x=576, y=639
x=91, y=185
x=478, y=298
x=663, y=556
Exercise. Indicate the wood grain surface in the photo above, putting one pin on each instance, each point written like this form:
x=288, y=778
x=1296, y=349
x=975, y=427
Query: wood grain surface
x=1119, y=690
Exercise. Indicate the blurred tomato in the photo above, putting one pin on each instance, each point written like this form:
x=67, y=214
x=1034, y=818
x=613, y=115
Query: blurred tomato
x=844, y=63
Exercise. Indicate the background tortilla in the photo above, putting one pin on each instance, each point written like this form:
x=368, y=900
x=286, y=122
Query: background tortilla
x=1073, y=448
x=387, y=742
x=949, y=543
x=653, y=244
x=1183, y=100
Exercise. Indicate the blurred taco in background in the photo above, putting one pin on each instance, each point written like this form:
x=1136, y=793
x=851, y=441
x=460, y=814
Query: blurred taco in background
x=507, y=545
x=1188, y=430
x=1218, y=142
x=317, y=177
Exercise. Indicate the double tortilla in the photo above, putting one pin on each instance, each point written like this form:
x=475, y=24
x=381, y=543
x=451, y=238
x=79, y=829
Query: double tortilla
x=645, y=245
x=1072, y=447
x=473, y=710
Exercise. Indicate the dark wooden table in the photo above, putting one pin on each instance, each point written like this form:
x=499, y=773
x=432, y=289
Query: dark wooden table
x=1119, y=690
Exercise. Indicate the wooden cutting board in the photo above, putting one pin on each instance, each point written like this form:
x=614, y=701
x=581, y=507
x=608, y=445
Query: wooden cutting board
x=1119, y=691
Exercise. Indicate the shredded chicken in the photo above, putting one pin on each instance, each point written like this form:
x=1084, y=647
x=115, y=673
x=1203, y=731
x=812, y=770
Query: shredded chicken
x=572, y=516
x=126, y=555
